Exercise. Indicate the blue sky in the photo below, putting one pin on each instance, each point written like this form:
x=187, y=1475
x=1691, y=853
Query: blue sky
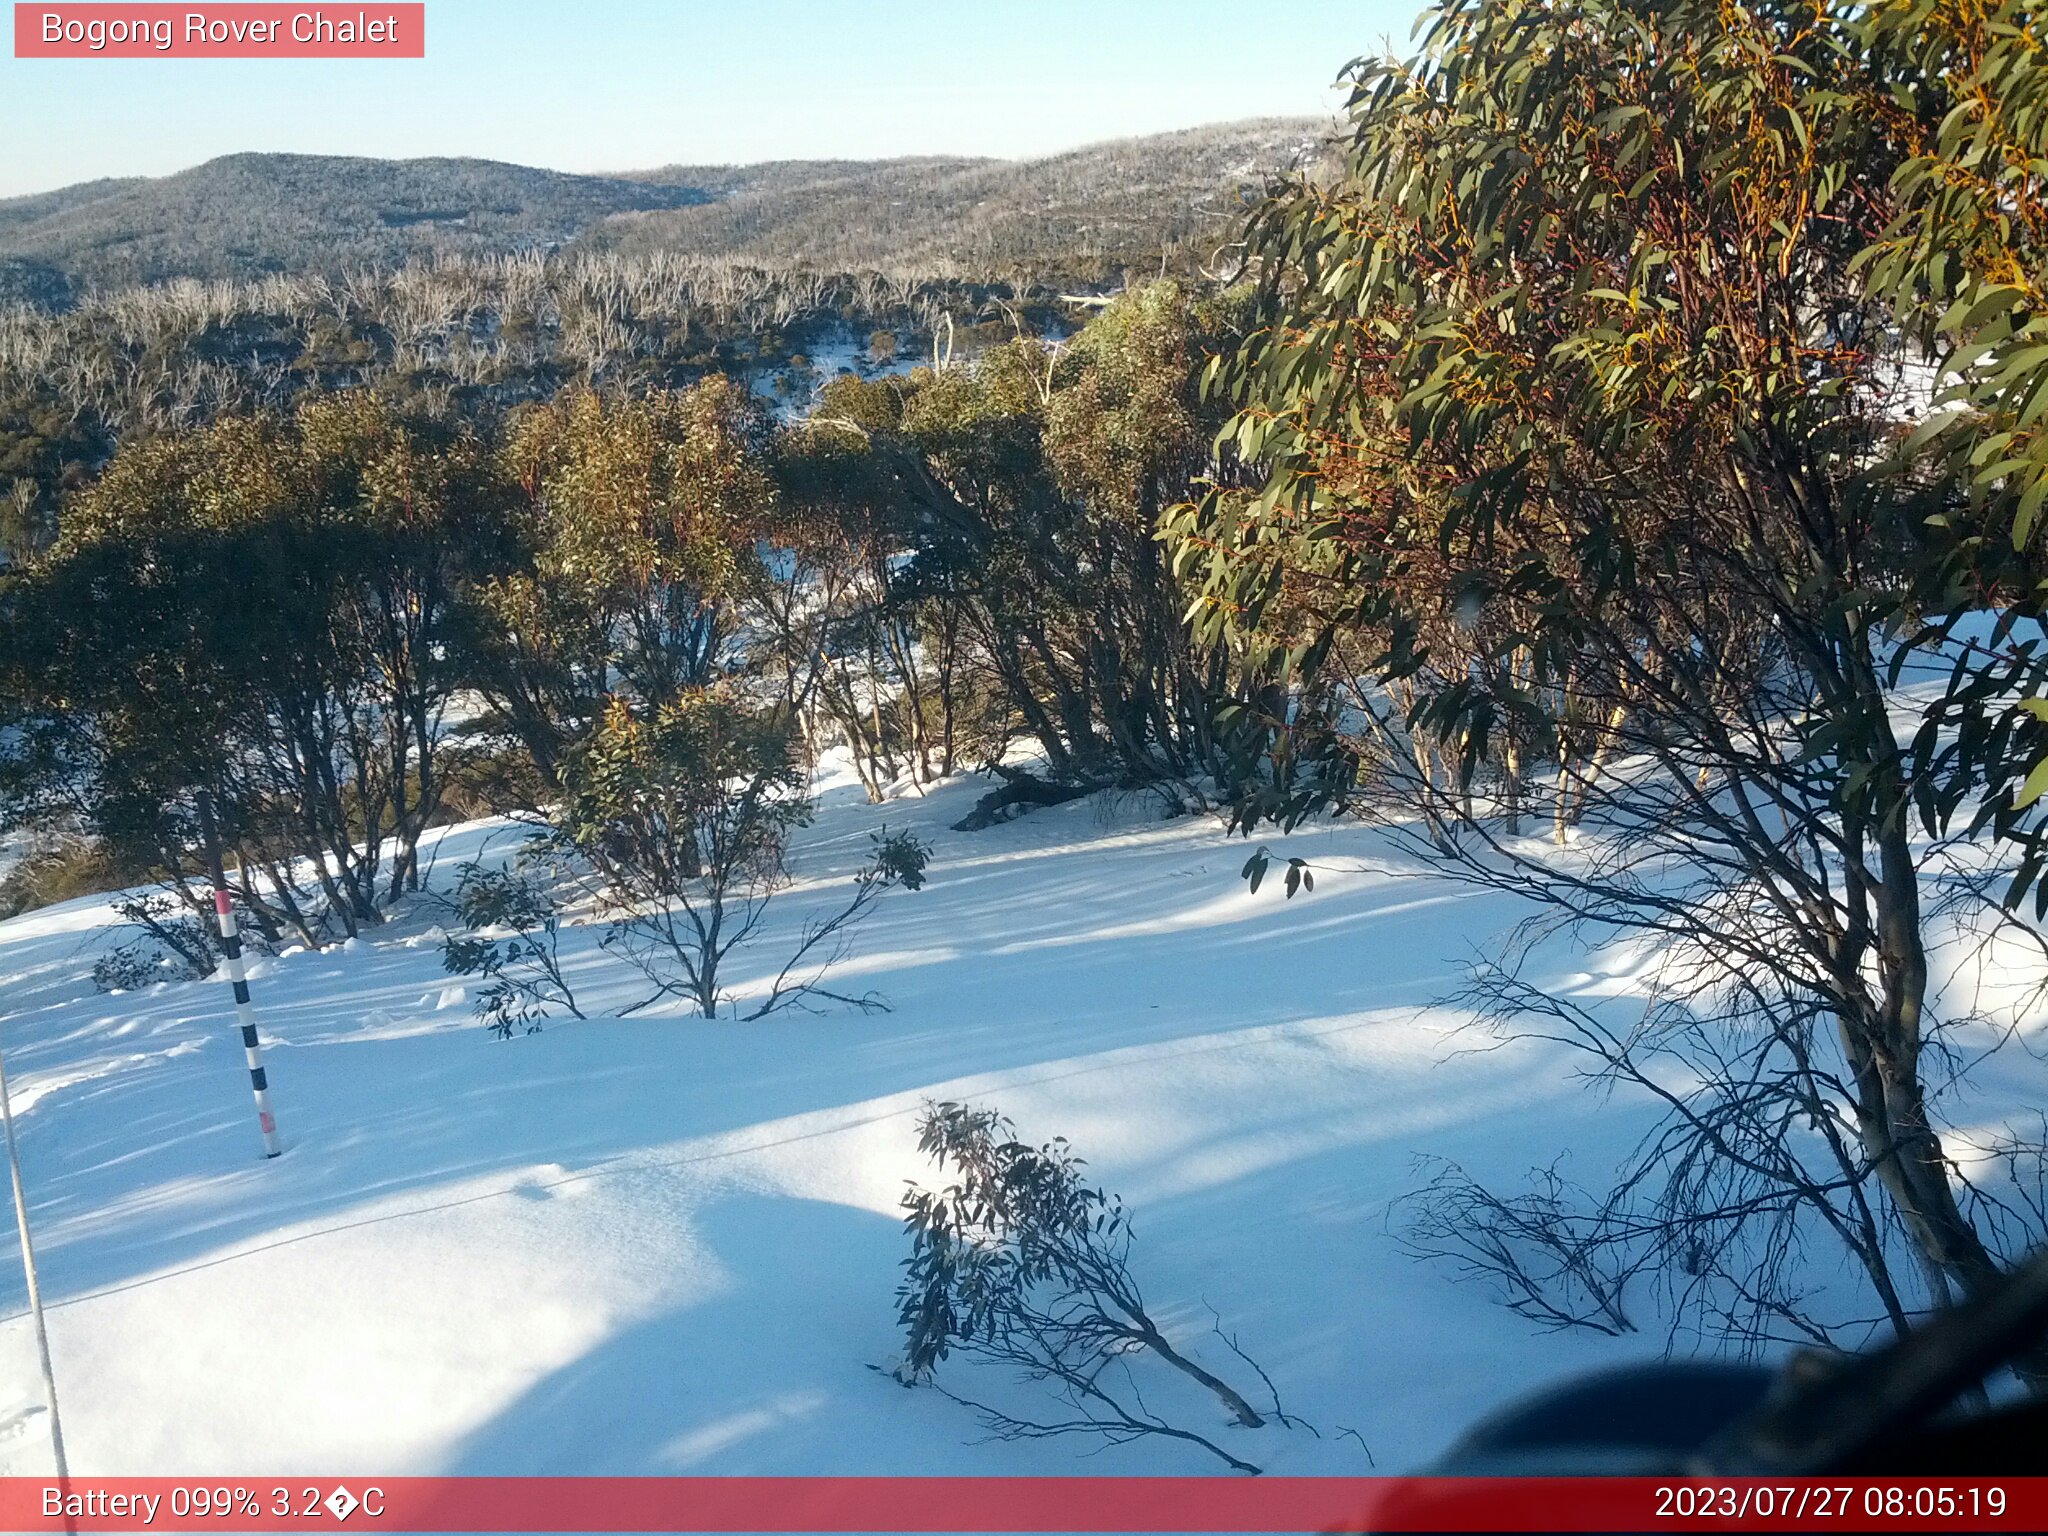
x=624, y=84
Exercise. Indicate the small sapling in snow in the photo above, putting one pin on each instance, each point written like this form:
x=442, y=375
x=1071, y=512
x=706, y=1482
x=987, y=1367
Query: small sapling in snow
x=514, y=944
x=1022, y=1262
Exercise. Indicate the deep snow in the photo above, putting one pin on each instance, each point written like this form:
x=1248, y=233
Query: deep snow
x=669, y=1245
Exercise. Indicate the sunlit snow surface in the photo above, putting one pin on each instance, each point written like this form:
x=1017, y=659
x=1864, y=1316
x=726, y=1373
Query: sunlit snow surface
x=665, y=1244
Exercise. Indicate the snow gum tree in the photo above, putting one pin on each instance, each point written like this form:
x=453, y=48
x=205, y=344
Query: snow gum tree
x=686, y=809
x=269, y=609
x=1580, y=439
x=1019, y=496
x=639, y=520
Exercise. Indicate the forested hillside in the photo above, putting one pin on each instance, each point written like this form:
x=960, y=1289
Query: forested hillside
x=1082, y=213
x=477, y=336
x=246, y=215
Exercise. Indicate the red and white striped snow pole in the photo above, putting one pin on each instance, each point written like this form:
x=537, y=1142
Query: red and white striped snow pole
x=231, y=947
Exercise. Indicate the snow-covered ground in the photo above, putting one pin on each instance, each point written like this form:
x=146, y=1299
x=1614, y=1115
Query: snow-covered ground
x=669, y=1245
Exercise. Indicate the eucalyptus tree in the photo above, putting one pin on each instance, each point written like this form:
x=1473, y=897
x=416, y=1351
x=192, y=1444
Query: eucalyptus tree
x=1576, y=423
x=266, y=609
x=1017, y=498
x=1962, y=265
x=686, y=810
x=640, y=523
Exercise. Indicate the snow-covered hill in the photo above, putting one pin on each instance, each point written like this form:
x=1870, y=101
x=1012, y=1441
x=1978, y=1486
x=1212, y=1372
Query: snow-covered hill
x=665, y=1245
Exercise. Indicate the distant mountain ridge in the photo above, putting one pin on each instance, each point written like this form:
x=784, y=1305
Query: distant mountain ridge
x=1123, y=200
x=244, y=215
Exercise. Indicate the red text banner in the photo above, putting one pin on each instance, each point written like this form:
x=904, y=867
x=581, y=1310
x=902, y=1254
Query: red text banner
x=117, y=31
x=1114, y=1504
